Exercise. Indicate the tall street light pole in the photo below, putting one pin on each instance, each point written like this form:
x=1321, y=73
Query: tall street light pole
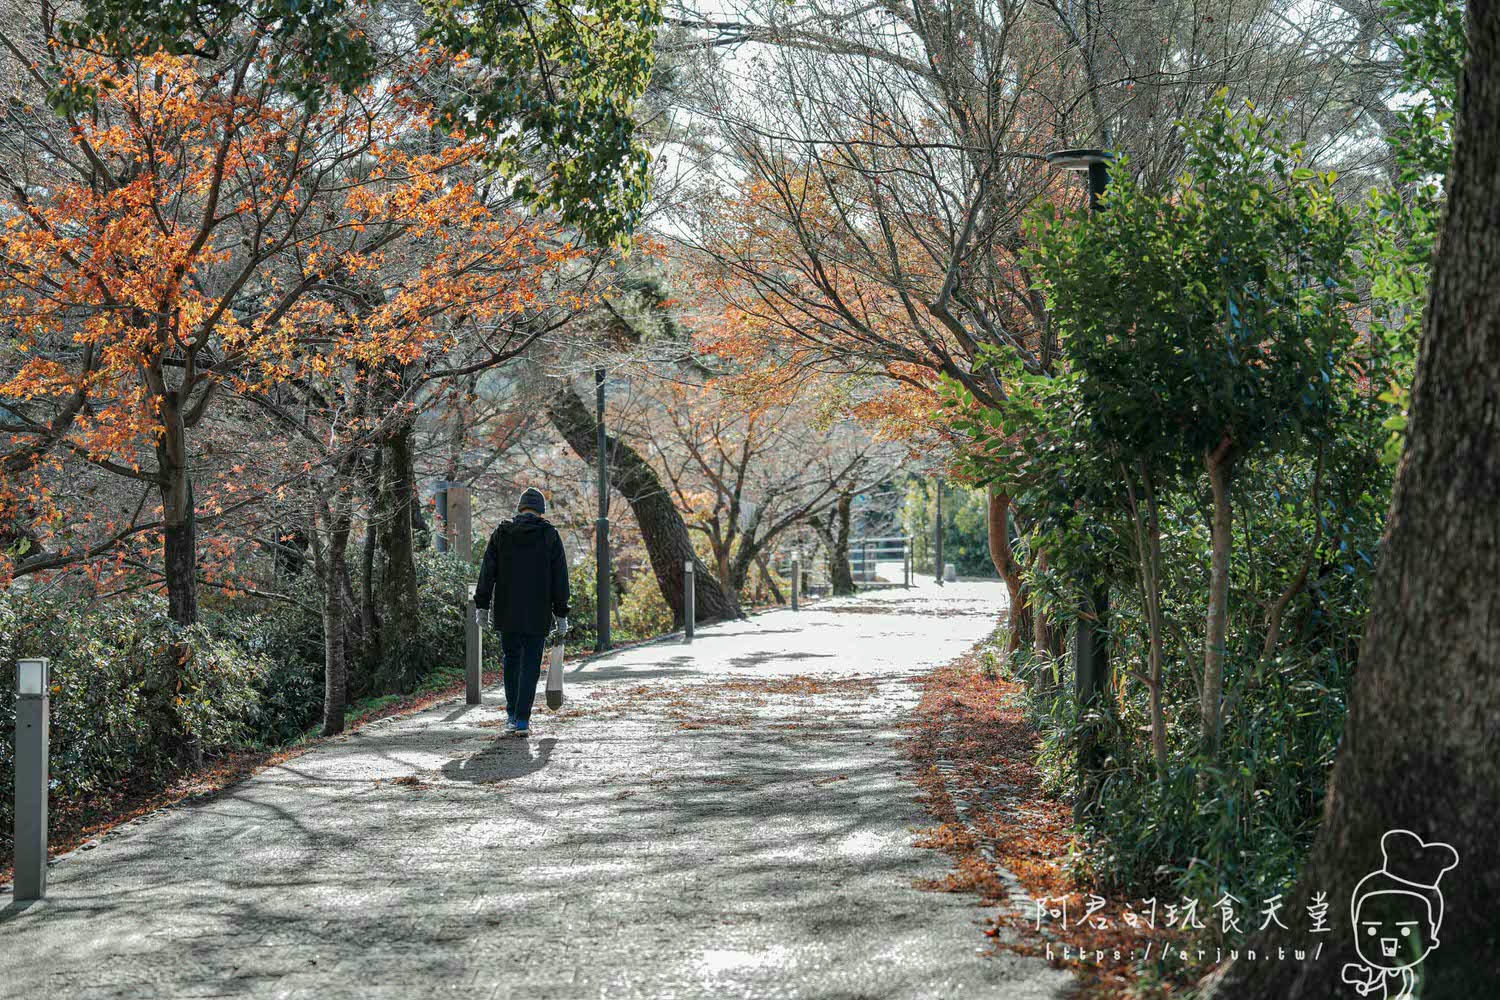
x=1091, y=676
x=602, y=600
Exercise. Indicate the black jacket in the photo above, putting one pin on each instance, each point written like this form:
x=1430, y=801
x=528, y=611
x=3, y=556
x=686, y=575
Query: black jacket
x=526, y=573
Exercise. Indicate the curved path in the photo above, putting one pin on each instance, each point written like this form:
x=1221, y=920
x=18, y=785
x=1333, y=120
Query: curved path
x=726, y=819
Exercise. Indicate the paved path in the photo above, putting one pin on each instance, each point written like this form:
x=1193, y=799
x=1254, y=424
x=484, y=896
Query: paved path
x=728, y=819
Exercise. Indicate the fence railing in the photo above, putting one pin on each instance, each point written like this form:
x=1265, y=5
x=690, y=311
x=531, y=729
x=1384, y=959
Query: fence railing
x=873, y=561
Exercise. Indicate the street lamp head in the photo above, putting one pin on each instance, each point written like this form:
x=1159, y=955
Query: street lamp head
x=1078, y=159
x=31, y=678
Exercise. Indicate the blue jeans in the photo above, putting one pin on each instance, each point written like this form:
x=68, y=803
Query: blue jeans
x=521, y=653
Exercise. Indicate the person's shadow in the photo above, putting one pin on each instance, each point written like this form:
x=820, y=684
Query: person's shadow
x=505, y=759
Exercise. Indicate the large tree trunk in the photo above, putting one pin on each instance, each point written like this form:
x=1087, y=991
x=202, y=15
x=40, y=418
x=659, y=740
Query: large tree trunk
x=1421, y=745
x=335, y=660
x=330, y=555
x=397, y=518
x=841, y=574
x=180, y=572
x=662, y=529
x=179, y=519
x=1212, y=693
x=997, y=524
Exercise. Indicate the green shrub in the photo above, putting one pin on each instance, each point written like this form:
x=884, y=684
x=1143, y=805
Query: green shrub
x=109, y=734
x=436, y=644
x=643, y=612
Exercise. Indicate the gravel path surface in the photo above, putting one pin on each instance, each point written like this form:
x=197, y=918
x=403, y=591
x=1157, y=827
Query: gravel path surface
x=726, y=819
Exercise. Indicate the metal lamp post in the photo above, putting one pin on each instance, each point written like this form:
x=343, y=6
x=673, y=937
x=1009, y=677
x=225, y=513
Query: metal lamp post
x=33, y=685
x=1091, y=680
x=1093, y=162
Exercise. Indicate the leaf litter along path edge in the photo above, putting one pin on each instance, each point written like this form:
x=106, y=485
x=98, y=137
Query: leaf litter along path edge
x=731, y=818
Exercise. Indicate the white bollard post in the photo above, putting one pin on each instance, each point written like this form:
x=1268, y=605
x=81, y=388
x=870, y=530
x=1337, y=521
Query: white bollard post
x=458, y=528
x=689, y=600
x=32, y=737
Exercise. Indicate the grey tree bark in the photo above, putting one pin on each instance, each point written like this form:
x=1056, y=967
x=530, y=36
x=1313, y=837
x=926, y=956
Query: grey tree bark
x=662, y=528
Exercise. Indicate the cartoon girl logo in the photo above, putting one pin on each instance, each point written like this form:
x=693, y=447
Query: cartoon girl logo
x=1397, y=910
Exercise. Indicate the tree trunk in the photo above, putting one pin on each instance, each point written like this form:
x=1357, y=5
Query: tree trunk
x=1212, y=694
x=1421, y=744
x=369, y=614
x=770, y=580
x=353, y=628
x=1019, y=622
x=662, y=529
x=1047, y=638
x=335, y=665
x=179, y=519
x=338, y=602
x=400, y=604
x=1148, y=549
x=840, y=577
x=840, y=573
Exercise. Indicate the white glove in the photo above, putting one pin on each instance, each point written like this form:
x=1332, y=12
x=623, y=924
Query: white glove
x=560, y=627
x=479, y=615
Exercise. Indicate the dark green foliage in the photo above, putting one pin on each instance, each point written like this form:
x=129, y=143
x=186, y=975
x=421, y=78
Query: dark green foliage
x=552, y=86
x=1431, y=42
x=1238, y=822
x=1404, y=216
x=317, y=45
x=103, y=743
x=965, y=526
x=1221, y=312
x=1209, y=313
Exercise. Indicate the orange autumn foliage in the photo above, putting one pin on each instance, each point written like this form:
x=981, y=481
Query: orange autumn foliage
x=199, y=239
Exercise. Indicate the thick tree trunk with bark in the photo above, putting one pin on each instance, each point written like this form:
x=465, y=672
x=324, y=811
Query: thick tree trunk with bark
x=338, y=606
x=836, y=559
x=1421, y=745
x=997, y=524
x=335, y=660
x=179, y=519
x=397, y=517
x=662, y=529
x=840, y=573
x=1212, y=693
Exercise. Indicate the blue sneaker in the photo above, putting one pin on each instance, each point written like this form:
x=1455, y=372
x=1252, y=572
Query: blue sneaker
x=523, y=728
x=510, y=724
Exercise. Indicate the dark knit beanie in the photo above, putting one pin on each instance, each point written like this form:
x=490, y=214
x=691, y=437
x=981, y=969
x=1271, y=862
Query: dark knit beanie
x=532, y=499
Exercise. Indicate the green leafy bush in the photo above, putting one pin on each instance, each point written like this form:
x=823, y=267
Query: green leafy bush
x=111, y=732
x=643, y=612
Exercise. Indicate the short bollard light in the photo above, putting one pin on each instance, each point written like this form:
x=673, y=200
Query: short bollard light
x=31, y=678
x=689, y=600
x=32, y=711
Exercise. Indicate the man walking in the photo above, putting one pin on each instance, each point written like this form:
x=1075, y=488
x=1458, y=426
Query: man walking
x=526, y=575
